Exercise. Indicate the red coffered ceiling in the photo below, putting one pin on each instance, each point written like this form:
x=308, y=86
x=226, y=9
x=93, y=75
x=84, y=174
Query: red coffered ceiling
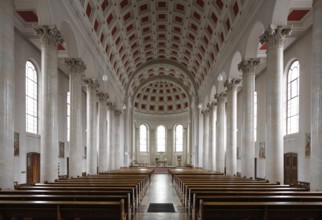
x=189, y=33
x=28, y=16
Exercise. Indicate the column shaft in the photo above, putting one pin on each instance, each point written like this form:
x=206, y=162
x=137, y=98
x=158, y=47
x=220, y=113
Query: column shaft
x=274, y=38
x=50, y=37
x=220, y=131
x=231, y=154
x=7, y=93
x=77, y=68
x=111, y=147
x=212, y=137
x=118, y=148
x=316, y=100
x=127, y=133
x=102, y=132
x=91, y=86
x=205, y=138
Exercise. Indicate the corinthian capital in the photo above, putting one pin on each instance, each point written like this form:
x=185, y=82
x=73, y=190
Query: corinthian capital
x=111, y=106
x=248, y=65
x=92, y=83
x=275, y=35
x=231, y=83
x=50, y=36
x=76, y=65
x=117, y=112
x=102, y=97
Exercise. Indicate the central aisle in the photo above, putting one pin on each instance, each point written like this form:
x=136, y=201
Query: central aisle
x=161, y=191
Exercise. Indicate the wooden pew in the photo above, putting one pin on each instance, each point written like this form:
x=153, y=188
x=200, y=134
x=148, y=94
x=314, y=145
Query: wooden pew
x=249, y=198
x=134, y=192
x=69, y=197
x=188, y=196
x=26, y=210
x=260, y=210
x=77, y=194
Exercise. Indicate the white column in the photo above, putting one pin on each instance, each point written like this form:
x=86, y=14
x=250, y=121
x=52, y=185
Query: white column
x=102, y=131
x=127, y=133
x=231, y=154
x=194, y=132
x=7, y=94
x=247, y=66
x=220, y=131
x=316, y=100
x=50, y=37
x=77, y=68
x=91, y=86
x=111, y=128
x=118, y=148
x=212, y=136
x=205, y=148
x=274, y=37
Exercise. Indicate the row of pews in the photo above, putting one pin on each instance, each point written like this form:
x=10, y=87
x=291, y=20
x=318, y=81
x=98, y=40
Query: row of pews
x=208, y=195
x=111, y=195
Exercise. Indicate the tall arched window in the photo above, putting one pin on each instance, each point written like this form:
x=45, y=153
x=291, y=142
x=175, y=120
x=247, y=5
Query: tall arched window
x=179, y=138
x=143, y=138
x=292, y=106
x=161, y=138
x=31, y=98
x=68, y=115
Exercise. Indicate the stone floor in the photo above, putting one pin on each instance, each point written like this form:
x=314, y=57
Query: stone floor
x=161, y=191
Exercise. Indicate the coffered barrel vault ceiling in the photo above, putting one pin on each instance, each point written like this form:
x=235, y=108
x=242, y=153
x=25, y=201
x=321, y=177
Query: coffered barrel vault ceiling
x=159, y=43
x=132, y=33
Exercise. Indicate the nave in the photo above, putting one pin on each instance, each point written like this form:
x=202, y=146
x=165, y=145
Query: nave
x=161, y=190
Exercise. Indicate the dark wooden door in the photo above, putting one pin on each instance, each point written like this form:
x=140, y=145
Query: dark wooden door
x=290, y=168
x=33, y=168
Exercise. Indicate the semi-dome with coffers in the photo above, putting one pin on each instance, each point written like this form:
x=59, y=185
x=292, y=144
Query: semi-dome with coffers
x=161, y=97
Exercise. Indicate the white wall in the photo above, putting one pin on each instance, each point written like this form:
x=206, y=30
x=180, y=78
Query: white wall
x=28, y=142
x=24, y=51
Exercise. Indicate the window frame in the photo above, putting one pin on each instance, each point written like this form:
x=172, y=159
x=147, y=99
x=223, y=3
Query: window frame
x=31, y=98
x=146, y=139
x=176, y=138
x=292, y=98
x=158, y=138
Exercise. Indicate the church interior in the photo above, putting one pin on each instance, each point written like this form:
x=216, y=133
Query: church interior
x=126, y=91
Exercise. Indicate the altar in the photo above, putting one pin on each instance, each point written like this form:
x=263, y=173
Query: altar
x=161, y=163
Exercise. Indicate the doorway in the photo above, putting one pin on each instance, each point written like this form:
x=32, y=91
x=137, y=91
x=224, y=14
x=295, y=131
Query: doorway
x=33, y=168
x=290, y=168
